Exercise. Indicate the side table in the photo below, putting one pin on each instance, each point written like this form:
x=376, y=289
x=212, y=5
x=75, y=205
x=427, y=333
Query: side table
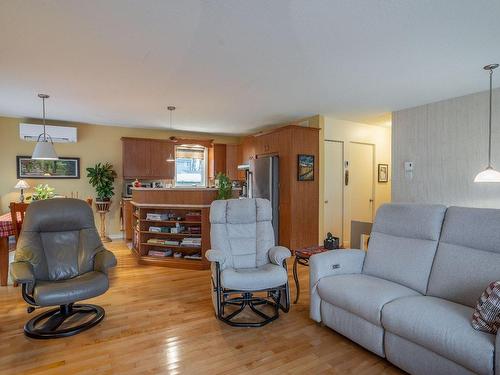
x=302, y=257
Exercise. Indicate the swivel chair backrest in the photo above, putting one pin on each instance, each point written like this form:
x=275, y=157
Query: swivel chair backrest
x=58, y=238
x=243, y=229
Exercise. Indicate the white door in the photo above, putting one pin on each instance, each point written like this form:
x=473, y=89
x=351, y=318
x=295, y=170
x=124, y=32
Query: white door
x=334, y=187
x=361, y=175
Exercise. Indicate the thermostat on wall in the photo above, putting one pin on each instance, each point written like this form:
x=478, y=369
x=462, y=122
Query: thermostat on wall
x=409, y=169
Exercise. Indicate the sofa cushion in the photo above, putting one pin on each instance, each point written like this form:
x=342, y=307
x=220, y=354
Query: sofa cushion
x=263, y=277
x=442, y=327
x=486, y=315
x=403, y=243
x=468, y=255
x=360, y=294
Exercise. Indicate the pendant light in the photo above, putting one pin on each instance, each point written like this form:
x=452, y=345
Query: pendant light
x=44, y=149
x=171, y=108
x=489, y=174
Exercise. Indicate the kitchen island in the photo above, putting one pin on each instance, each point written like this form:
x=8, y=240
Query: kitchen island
x=171, y=226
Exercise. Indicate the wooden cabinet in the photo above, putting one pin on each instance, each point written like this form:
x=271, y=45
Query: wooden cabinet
x=232, y=161
x=136, y=158
x=146, y=158
x=160, y=167
x=219, y=159
x=299, y=202
x=127, y=219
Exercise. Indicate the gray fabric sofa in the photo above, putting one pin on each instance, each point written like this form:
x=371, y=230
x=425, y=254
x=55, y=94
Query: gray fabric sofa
x=411, y=296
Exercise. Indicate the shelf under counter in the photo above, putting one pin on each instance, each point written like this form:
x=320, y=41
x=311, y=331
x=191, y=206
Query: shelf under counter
x=142, y=233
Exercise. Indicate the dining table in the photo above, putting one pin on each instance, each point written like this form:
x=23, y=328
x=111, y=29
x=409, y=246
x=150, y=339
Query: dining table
x=6, y=230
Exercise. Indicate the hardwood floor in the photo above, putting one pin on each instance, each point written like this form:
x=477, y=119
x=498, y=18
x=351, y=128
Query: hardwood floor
x=160, y=320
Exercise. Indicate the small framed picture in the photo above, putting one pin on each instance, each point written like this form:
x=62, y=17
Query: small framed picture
x=383, y=173
x=305, y=167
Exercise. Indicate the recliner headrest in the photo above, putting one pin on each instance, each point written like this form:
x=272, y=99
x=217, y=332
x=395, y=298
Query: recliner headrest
x=58, y=215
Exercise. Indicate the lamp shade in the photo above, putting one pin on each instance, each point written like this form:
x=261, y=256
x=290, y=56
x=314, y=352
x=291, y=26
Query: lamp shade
x=488, y=175
x=21, y=184
x=44, y=150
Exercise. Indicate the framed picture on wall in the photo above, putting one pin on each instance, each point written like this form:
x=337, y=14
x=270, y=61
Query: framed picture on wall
x=383, y=173
x=305, y=167
x=62, y=168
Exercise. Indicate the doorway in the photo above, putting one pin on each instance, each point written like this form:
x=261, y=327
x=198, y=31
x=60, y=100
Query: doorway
x=361, y=190
x=333, y=213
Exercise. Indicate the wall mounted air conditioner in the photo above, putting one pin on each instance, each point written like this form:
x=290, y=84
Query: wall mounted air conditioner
x=60, y=134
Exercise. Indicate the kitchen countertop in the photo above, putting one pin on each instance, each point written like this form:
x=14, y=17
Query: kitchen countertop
x=167, y=205
x=176, y=188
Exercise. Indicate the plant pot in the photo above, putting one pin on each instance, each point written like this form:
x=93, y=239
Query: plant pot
x=102, y=206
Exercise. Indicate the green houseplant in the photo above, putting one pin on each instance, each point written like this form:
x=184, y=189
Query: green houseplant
x=225, y=187
x=42, y=192
x=102, y=177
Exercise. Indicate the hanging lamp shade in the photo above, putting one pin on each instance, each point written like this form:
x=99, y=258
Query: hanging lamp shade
x=44, y=148
x=489, y=174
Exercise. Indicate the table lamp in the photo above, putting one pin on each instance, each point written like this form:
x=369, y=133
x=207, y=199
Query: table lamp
x=21, y=184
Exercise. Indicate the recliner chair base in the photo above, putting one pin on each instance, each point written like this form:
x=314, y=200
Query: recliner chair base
x=248, y=299
x=46, y=325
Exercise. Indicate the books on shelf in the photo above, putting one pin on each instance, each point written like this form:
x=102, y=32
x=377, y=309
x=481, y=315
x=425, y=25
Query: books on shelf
x=193, y=216
x=191, y=242
x=156, y=217
x=159, y=229
x=160, y=253
x=196, y=256
x=160, y=241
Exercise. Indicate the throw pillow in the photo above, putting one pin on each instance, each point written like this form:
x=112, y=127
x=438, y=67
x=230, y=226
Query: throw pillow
x=486, y=316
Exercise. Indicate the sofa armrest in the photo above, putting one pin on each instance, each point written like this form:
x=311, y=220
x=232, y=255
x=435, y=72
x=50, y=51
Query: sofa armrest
x=331, y=263
x=104, y=260
x=22, y=273
x=278, y=254
x=215, y=256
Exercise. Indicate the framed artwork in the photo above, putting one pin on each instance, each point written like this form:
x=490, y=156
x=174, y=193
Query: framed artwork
x=305, y=167
x=62, y=168
x=383, y=173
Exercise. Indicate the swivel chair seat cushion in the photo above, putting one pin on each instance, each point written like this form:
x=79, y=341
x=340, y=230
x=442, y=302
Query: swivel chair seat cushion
x=250, y=279
x=87, y=285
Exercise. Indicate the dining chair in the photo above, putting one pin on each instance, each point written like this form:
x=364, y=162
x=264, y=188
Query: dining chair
x=17, y=212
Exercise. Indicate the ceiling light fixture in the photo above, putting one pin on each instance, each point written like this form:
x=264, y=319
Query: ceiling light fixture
x=44, y=148
x=171, y=108
x=489, y=174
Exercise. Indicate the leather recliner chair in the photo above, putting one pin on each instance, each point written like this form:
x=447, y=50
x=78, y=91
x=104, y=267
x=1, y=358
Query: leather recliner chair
x=60, y=260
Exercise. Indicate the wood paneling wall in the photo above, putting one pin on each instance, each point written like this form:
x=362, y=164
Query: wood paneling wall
x=448, y=142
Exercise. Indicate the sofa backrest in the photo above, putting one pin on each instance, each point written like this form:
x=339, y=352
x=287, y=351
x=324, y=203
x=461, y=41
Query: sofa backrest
x=403, y=243
x=468, y=255
x=242, y=228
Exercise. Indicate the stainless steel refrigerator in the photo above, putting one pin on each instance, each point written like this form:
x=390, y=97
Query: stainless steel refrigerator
x=264, y=175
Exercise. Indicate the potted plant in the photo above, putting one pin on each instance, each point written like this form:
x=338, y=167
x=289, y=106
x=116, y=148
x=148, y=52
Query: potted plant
x=225, y=187
x=102, y=177
x=42, y=192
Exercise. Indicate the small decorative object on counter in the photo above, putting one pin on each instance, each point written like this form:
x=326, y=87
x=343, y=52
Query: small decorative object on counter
x=137, y=183
x=331, y=242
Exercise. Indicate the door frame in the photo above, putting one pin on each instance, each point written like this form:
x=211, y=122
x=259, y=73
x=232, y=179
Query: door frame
x=342, y=143
x=374, y=162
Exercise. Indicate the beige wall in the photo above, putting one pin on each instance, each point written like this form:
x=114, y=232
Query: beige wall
x=347, y=131
x=448, y=143
x=95, y=144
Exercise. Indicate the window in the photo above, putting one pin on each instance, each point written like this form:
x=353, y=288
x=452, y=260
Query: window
x=190, y=165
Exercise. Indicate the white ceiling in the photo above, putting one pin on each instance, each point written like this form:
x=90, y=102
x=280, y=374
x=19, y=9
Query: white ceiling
x=231, y=66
